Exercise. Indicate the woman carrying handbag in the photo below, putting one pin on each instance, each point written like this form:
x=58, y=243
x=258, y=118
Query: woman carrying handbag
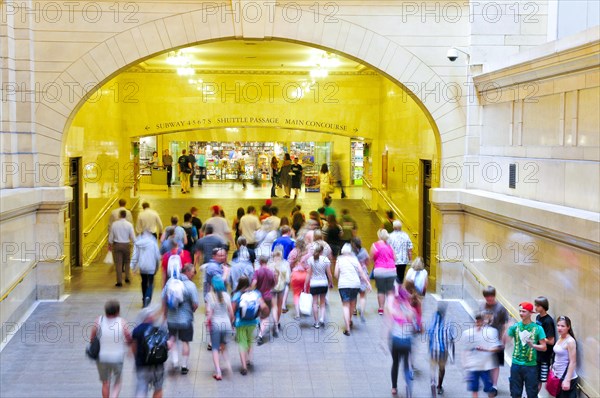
x=562, y=379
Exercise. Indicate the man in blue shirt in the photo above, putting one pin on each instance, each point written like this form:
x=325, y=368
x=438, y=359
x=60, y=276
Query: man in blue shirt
x=285, y=241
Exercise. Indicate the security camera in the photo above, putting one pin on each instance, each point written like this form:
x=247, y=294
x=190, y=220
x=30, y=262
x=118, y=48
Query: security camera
x=452, y=54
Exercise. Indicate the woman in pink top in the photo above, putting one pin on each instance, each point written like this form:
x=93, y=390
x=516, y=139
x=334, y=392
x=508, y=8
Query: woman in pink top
x=384, y=268
x=298, y=263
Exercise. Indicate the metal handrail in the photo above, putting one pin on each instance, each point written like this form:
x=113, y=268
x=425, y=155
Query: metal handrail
x=102, y=213
x=392, y=206
x=481, y=282
x=18, y=281
x=105, y=210
x=31, y=267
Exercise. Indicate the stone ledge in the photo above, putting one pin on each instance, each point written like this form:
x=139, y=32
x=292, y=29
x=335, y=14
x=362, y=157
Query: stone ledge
x=566, y=224
x=574, y=53
x=19, y=201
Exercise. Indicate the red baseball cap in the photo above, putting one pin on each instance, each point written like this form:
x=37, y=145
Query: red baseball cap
x=269, y=202
x=526, y=306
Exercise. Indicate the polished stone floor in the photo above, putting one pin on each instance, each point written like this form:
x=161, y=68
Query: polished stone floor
x=46, y=357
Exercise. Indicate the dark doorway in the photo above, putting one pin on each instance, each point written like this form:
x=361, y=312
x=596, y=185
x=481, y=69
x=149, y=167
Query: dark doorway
x=74, y=218
x=426, y=235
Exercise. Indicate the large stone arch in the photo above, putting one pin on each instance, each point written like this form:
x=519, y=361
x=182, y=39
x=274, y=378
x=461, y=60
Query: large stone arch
x=146, y=40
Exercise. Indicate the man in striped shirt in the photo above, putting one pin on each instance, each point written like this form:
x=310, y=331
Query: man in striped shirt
x=440, y=338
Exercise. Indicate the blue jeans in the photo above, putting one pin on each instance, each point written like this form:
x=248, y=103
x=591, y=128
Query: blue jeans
x=523, y=375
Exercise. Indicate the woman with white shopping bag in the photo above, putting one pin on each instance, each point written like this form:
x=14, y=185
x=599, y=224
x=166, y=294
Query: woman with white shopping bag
x=319, y=279
x=297, y=260
x=349, y=274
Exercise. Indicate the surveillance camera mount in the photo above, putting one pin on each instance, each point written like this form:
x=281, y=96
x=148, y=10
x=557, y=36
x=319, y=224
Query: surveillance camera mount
x=464, y=51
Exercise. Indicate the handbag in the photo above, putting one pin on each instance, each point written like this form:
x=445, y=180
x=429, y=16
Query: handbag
x=553, y=384
x=305, y=304
x=93, y=348
x=109, y=259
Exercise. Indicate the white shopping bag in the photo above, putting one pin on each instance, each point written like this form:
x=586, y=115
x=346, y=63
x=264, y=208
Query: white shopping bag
x=305, y=304
x=109, y=258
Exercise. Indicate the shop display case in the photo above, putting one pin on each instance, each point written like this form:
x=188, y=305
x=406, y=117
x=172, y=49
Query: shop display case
x=357, y=162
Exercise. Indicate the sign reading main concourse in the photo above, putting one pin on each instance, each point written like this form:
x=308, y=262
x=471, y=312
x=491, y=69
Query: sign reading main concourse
x=244, y=121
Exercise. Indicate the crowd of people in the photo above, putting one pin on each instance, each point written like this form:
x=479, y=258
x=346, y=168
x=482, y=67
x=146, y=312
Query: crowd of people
x=306, y=254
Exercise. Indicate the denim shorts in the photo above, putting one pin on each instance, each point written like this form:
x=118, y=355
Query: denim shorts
x=348, y=294
x=473, y=380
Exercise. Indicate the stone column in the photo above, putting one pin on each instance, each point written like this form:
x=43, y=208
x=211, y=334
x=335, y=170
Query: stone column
x=49, y=235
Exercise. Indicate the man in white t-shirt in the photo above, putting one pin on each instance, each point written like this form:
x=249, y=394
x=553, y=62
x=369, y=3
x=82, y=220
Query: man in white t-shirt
x=249, y=224
x=480, y=358
x=219, y=224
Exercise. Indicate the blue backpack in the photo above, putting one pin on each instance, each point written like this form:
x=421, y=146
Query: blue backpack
x=249, y=305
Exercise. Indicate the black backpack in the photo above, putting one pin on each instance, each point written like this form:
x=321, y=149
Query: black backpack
x=156, y=350
x=190, y=238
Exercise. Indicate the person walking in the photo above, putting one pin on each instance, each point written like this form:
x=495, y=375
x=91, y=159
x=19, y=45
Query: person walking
x=285, y=176
x=201, y=162
x=495, y=315
x=147, y=375
x=336, y=175
x=282, y=271
x=565, y=358
x=219, y=315
x=401, y=330
x=333, y=237
x=297, y=259
x=264, y=280
x=247, y=304
x=114, y=335
x=149, y=220
x=296, y=169
x=115, y=214
x=180, y=320
x=168, y=165
x=146, y=257
x=249, y=224
x=274, y=175
x=241, y=264
x=184, y=169
x=363, y=258
x=325, y=185
x=529, y=338
x=479, y=357
x=349, y=274
x=318, y=280
x=384, y=268
x=402, y=245
x=119, y=242
x=192, y=162
x=440, y=344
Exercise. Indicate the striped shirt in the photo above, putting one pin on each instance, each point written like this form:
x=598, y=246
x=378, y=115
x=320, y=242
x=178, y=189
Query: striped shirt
x=440, y=338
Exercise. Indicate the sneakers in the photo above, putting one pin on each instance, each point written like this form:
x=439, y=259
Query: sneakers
x=260, y=340
x=316, y=325
x=440, y=390
x=209, y=347
x=184, y=370
x=275, y=333
x=127, y=281
x=346, y=333
x=118, y=284
x=362, y=317
x=380, y=311
x=244, y=371
x=493, y=392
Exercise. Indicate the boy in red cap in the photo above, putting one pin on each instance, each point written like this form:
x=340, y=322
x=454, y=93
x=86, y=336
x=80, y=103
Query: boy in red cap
x=529, y=337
